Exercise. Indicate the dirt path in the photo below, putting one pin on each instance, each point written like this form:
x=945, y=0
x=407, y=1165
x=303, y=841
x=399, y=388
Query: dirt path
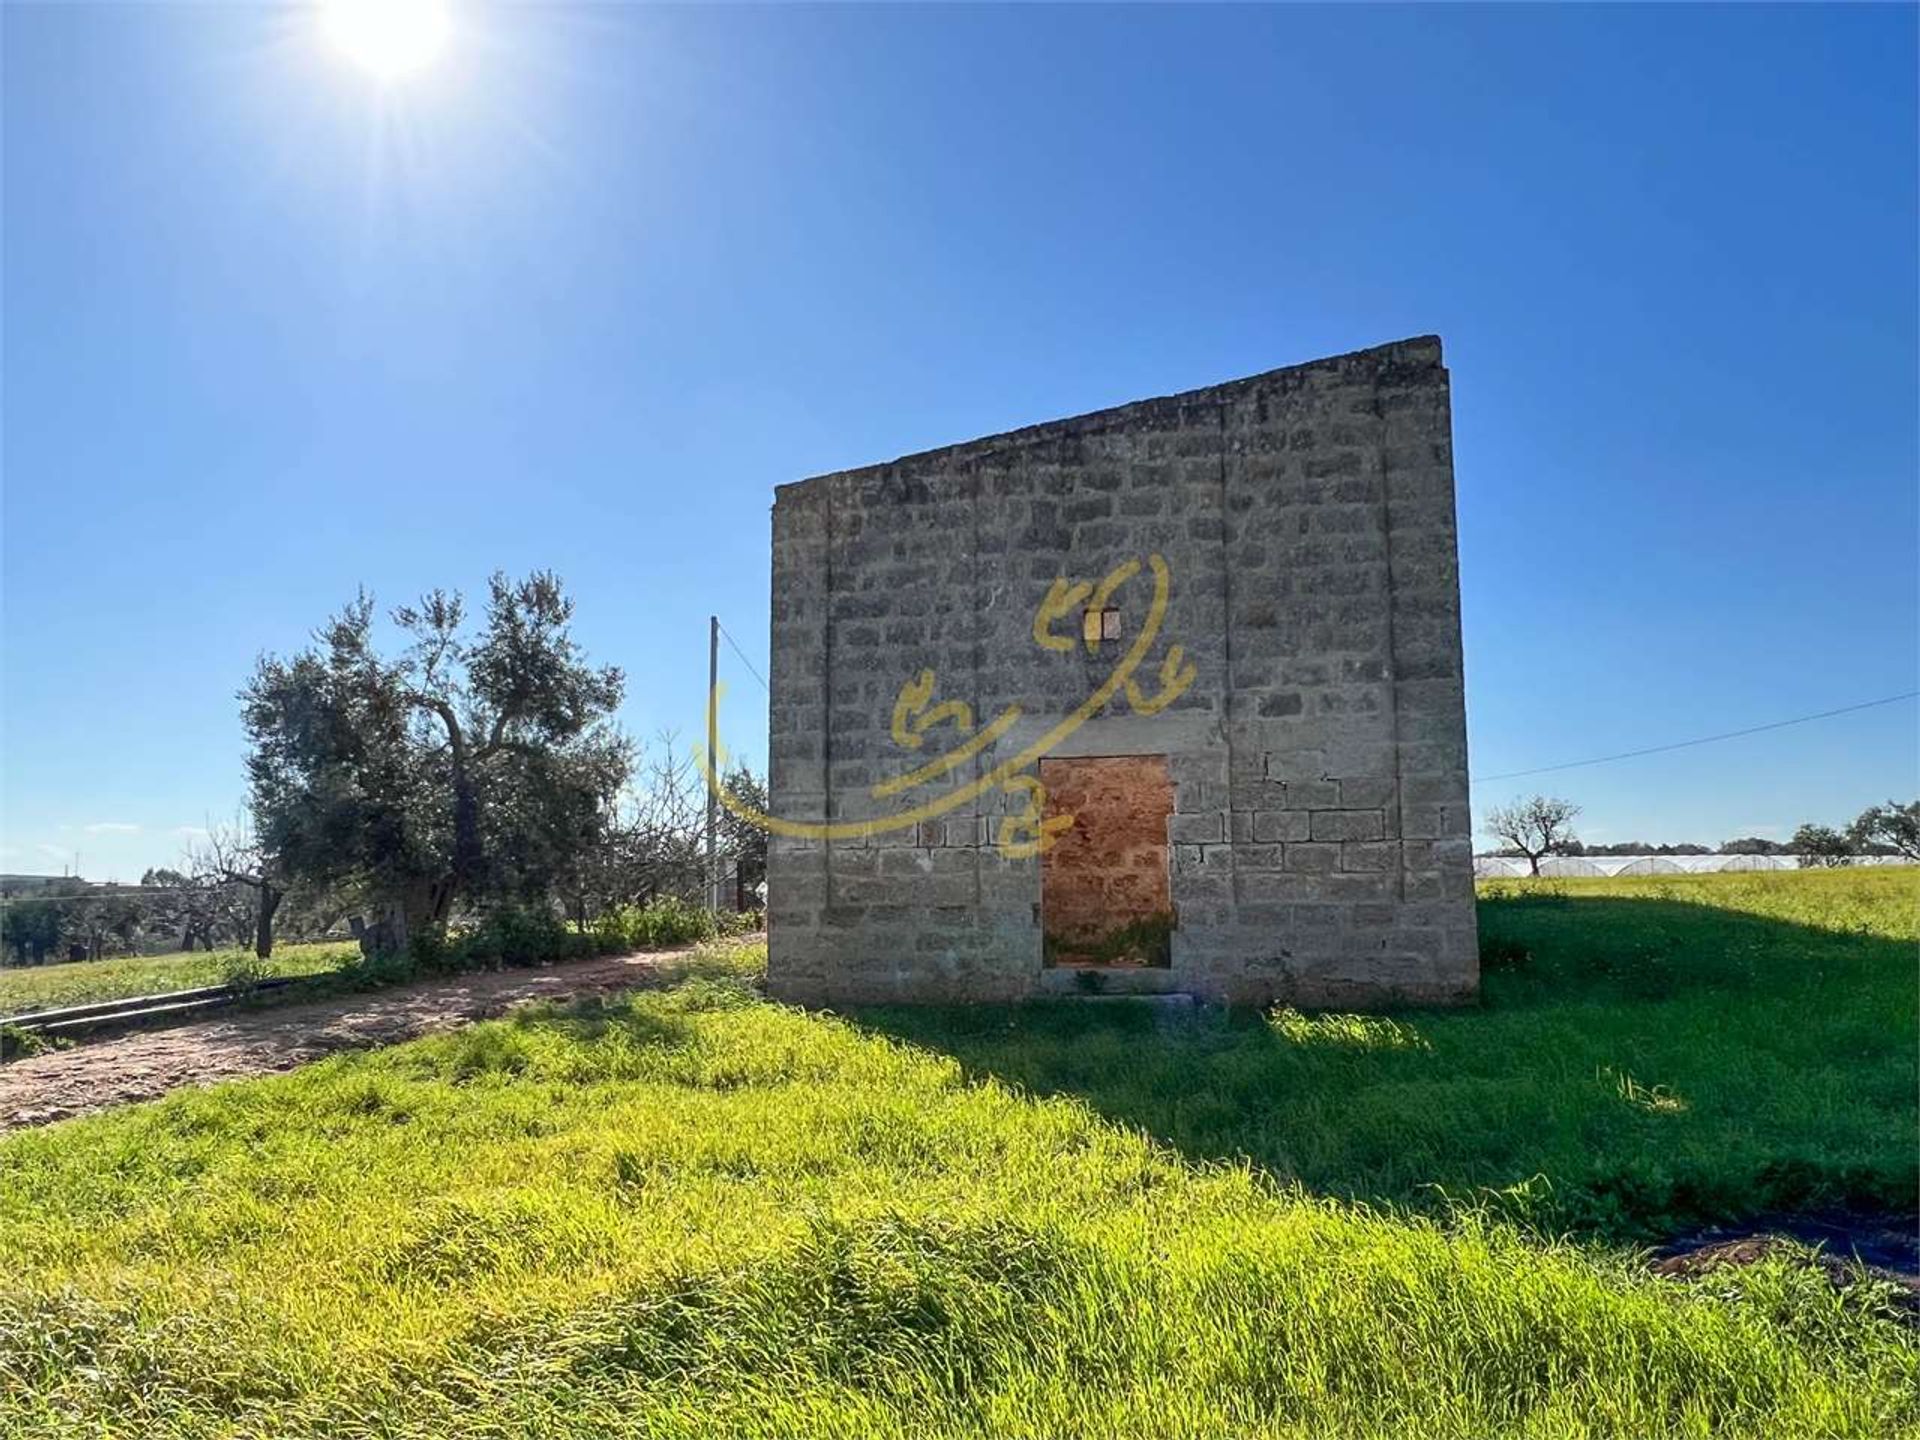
x=146, y=1064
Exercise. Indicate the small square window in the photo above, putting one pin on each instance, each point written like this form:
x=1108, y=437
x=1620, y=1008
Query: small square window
x=1100, y=625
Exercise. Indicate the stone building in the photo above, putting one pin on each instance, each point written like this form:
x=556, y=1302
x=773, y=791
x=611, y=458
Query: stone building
x=1165, y=698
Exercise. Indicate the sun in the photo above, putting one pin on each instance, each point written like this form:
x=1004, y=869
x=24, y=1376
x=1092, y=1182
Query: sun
x=388, y=37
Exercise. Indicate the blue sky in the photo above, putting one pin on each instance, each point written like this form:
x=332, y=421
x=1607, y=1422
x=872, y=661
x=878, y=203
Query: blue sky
x=582, y=292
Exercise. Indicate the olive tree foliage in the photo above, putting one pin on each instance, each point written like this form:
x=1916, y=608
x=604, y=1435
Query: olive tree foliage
x=744, y=841
x=35, y=928
x=1752, y=845
x=476, y=766
x=72, y=920
x=1891, y=828
x=1539, y=825
x=31, y=930
x=1882, y=830
x=1822, y=847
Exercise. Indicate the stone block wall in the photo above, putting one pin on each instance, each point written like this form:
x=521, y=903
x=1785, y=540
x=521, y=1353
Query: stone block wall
x=1320, y=840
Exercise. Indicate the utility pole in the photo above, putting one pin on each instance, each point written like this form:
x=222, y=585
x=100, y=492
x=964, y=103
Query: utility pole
x=713, y=761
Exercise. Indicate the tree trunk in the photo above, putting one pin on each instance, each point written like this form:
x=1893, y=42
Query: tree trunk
x=466, y=809
x=1534, y=862
x=263, y=921
x=417, y=913
x=387, y=934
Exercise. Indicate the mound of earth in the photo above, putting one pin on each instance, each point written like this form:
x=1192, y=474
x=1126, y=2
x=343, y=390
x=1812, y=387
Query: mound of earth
x=1846, y=1246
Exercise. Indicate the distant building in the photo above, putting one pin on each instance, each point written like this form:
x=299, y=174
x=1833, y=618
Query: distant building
x=31, y=884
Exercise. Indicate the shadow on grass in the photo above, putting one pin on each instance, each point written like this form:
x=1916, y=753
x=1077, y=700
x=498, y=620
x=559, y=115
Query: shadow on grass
x=1637, y=1066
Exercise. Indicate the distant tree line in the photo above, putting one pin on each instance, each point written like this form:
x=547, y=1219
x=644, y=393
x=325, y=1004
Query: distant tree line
x=1533, y=828
x=1889, y=829
x=477, y=771
x=62, y=920
x=193, y=907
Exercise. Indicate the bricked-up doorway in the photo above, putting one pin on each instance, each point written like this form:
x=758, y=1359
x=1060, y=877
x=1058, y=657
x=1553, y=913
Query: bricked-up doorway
x=1105, y=893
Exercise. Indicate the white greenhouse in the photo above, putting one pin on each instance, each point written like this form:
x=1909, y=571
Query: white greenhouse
x=1502, y=867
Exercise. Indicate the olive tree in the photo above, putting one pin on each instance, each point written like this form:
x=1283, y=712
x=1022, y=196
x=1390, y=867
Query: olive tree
x=1822, y=847
x=1893, y=828
x=33, y=929
x=475, y=766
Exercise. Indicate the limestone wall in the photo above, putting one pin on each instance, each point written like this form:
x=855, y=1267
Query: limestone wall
x=1320, y=840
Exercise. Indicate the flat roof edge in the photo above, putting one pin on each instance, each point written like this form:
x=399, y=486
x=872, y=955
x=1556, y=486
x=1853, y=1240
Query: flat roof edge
x=1416, y=351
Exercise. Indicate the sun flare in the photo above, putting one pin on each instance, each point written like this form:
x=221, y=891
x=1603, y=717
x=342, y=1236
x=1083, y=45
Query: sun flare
x=388, y=37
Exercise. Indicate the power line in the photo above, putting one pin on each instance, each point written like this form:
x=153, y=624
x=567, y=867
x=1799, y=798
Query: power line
x=745, y=661
x=1703, y=740
x=1567, y=764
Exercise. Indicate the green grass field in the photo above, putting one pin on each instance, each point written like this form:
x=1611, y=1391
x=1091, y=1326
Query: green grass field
x=45, y=987
x=1670, y=1050
x=697, y=1213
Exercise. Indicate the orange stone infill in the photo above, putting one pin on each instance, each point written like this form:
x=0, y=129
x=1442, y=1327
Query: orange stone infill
x=1110, y=869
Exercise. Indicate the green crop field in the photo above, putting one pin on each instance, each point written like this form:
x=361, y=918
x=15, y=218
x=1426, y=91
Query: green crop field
x=697, y=1213
x=43, y=987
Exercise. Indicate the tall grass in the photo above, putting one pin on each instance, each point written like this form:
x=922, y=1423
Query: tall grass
x=1650, y=1054
x=696, y=1213
x=508, y=937
x=45, y=987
